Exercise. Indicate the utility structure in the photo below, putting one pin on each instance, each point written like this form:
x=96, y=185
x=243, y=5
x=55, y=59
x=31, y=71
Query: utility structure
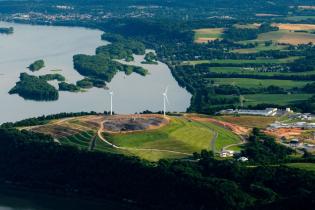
x=165, y=100
x=111, y=93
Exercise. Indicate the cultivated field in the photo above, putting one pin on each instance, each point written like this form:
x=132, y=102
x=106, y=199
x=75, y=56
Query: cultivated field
x=294, y=27
x=287, y=37
x=280, y=99
x=204, y=35
x=252, y=83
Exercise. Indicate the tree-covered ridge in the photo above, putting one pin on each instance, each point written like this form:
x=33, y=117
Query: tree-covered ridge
x=103, y=65
x=168, y=184
x=34, y=88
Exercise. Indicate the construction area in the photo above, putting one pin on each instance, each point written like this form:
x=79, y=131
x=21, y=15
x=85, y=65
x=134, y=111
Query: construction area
x=132, y=123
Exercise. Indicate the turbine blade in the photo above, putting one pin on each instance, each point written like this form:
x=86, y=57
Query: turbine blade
x=166, y=89
x=167, y=99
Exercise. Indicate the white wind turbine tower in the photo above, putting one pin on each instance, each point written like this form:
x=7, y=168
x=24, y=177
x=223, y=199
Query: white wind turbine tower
x=165, y=99
x=111, y=102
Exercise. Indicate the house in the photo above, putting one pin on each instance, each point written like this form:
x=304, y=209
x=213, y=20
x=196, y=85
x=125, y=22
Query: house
x=243, y=159
x=226, y=153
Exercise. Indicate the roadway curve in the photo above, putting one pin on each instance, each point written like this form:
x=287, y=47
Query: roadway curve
x=101, y=129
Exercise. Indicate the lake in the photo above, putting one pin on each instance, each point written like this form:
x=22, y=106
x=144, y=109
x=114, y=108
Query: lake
x=56, y=46
x=12, y=199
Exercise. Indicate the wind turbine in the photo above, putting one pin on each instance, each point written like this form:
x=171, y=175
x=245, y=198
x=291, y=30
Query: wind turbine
x=111, y=93
x=165, y=99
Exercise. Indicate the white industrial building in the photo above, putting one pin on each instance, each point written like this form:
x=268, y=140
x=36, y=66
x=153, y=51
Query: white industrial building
x=265, y=112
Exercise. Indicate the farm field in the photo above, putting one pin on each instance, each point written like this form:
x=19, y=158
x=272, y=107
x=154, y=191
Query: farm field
x=295, y=27
x=255, y=83
x=242, y=70
x=279, y=99
x=261, y=47
x=303, y=166
x=248, y=121
x=299, y=18
x=242, y=61
x=207, y=34
x=287, y=37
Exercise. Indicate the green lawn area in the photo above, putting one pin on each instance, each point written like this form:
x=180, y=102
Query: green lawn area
x=280, y=99
x=180, y=135
x=225, y=136
x=304, y=166
x=258, y=83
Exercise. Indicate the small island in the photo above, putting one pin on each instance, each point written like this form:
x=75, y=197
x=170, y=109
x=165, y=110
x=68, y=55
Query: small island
x=50, y=77
x=4, y=30
x=37, y=65
x=34, y=88
x=63, y=86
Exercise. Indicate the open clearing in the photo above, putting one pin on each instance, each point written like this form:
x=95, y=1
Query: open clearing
x=149, y=137
x=204, y=35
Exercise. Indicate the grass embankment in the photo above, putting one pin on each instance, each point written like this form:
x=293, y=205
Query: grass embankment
x=303, y=166
x=225, y=136
x=179, y=135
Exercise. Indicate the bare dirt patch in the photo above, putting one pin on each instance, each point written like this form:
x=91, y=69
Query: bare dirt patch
x=295, y=27
x=237, y=129
x=133, y=123
x=288, y=133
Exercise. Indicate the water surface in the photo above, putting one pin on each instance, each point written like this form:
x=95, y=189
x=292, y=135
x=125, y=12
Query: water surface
x=57, y=45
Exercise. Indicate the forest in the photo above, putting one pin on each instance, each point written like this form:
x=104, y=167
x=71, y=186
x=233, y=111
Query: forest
x=168, y=184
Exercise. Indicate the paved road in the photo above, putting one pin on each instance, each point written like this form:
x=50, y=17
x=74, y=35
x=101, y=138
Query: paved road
x=244, y=141
x=213, y=140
